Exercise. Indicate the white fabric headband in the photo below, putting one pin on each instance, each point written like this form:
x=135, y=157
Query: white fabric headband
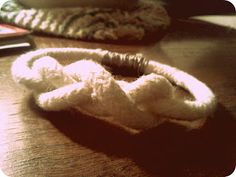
x=88, y=87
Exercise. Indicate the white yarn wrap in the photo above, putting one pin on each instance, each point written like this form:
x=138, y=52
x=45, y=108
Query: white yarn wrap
x=88, y=87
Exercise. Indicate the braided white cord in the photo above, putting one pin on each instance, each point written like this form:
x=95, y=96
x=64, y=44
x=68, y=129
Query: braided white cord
x=89, y=88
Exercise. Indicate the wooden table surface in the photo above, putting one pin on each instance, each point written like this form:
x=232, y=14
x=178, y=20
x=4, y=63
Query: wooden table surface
x=34, y=143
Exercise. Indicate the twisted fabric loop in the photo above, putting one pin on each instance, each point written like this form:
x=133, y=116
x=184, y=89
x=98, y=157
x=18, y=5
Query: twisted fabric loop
x=89, y=88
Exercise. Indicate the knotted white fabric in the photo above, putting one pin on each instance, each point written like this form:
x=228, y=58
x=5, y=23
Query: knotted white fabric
x=88, y=87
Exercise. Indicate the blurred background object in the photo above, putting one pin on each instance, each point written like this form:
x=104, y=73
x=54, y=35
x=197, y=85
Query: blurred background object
x=186, y=8
x=122, y=4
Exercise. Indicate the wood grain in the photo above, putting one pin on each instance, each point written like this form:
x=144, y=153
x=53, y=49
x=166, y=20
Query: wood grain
x=42, y=144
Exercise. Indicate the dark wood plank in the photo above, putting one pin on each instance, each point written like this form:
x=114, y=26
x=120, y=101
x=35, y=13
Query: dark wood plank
x=36, y=143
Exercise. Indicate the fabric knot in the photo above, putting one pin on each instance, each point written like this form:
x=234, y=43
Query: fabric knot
x=88, y=87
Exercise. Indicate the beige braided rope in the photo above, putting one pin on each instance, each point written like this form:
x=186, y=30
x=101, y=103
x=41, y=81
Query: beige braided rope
x=88, y=87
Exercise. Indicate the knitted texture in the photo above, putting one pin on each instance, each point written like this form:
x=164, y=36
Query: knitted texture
x=88, y=87
x=90, y=23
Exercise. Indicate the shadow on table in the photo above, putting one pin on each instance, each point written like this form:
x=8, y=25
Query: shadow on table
x=171, y=151
x=165, y=151
x=182, y=29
